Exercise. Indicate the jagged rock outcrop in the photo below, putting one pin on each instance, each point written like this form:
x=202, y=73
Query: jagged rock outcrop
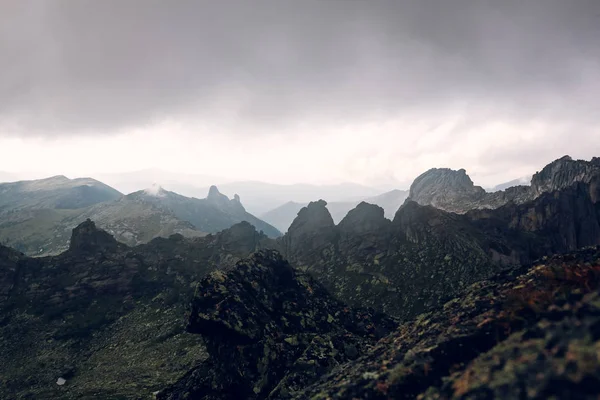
x=217, y=198
x=443, y=188
x=282, y=216
x=562, y=173
x=530, y=334
x=364, y=219
x=87, y=238
x=311, y=234
x=105, y=317
x=277, y=326
x=426, y=254
x=454, y=191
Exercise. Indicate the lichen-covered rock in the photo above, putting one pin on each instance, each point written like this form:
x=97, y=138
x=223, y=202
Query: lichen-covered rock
x=106, y=318
x=532, y=333
x=271, y=330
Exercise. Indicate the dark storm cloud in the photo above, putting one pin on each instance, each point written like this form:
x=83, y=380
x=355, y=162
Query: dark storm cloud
x=76, y=66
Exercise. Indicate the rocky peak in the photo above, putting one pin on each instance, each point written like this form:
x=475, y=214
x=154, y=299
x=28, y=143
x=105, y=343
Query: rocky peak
x=311, y=232
x=314, y=217
x=563, y=173
x=364, y=218
x=240, y=239
x=87, y=237
x=215, y=195
x=278, y=326
x=220, y=200
x=454, y=191
x=443, y=178
x=445, y=188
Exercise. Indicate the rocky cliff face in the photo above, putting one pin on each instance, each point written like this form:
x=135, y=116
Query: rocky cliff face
x=454, y=191
x=311, y=235
x=277, y=326
x=562, y=173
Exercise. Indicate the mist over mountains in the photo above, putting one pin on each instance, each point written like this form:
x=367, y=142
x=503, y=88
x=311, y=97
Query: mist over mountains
x=454, y=266
x=39, y=214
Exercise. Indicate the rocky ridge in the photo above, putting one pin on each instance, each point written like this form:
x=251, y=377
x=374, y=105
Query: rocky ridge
x=36, y=217
x=106, y=317
x=282, y=216
x=454, y=191
x=410, y=264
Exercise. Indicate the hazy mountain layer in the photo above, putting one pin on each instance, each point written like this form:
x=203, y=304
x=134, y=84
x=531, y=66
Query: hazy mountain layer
x=212, y=214
x=57, y=192
x=36, y=217
x=260, y=197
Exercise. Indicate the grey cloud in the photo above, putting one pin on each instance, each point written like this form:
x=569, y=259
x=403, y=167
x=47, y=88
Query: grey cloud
x=73, y=67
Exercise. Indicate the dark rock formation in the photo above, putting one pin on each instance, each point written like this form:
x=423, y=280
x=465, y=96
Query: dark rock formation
x=562, y=173
x=87, y=238
x=426, y=254
x=270, y=331
x=454, y=191
x=364, y=219
x=106, y=317
x=311, y=234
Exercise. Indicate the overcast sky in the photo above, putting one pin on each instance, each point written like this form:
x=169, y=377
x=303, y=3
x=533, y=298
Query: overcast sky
x=298, y=91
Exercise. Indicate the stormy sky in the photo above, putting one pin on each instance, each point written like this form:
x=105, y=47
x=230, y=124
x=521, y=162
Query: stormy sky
x=284, y=91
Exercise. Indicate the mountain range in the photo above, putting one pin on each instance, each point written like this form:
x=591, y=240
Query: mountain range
x=259, y=197
x=492, y=295
x=36, y=217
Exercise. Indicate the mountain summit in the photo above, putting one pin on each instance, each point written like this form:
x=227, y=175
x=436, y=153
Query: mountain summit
x=211, y=214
